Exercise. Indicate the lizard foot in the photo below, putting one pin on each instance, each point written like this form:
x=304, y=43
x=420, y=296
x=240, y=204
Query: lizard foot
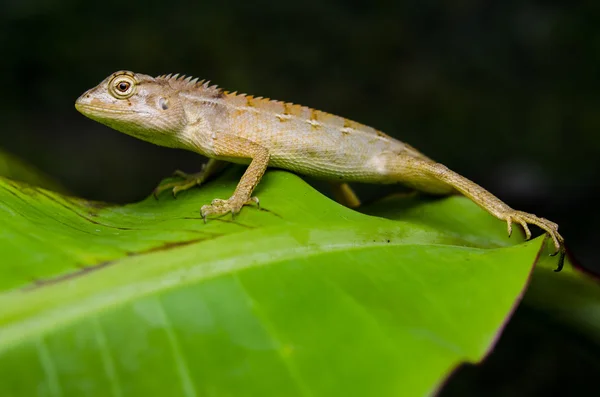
x=220, y=207
x=524, y=218
x=189, y=181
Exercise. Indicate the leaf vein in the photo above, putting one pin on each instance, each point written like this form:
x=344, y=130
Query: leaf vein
x=107, y=358
x=187, y=383
x=270, y=328
x=49, y=368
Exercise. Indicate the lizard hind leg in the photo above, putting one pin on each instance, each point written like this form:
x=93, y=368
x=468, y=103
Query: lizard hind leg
x=343, y=194
x=431, y=177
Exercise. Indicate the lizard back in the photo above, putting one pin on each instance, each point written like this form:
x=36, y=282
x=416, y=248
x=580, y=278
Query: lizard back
x=300, y=139
x=310, y=141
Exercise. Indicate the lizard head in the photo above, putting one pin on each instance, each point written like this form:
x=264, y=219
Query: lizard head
x=139, y=105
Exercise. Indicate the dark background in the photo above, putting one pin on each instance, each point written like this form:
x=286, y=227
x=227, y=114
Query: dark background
x=505, y=93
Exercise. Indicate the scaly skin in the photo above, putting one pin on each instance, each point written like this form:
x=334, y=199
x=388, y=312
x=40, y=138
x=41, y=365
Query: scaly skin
x=183, y=113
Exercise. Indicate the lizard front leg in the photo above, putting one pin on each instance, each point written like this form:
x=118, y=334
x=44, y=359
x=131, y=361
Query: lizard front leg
x=209, y=169
x=432, y=177
x=225, y=145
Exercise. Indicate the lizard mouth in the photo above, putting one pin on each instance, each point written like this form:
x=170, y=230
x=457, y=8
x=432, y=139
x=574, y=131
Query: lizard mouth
x=87, y=108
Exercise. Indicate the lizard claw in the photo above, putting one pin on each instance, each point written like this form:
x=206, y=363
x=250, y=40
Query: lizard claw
x=561, y=260
x=254, y=200
x=523, y=224
x=220, y=207
x=524, y=218
x=526, y=229
x=189, y=181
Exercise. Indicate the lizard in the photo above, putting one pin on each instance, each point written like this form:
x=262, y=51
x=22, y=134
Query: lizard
x=181, y=112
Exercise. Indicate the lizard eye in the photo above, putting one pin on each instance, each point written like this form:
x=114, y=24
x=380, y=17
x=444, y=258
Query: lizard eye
x=121, y=87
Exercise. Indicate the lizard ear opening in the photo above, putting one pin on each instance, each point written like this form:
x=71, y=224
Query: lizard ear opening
x=163, y=103
x=122, y=86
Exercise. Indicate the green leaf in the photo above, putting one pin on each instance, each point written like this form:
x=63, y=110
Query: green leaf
x=572, y=300
x=304, y=297
x=14, y=168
